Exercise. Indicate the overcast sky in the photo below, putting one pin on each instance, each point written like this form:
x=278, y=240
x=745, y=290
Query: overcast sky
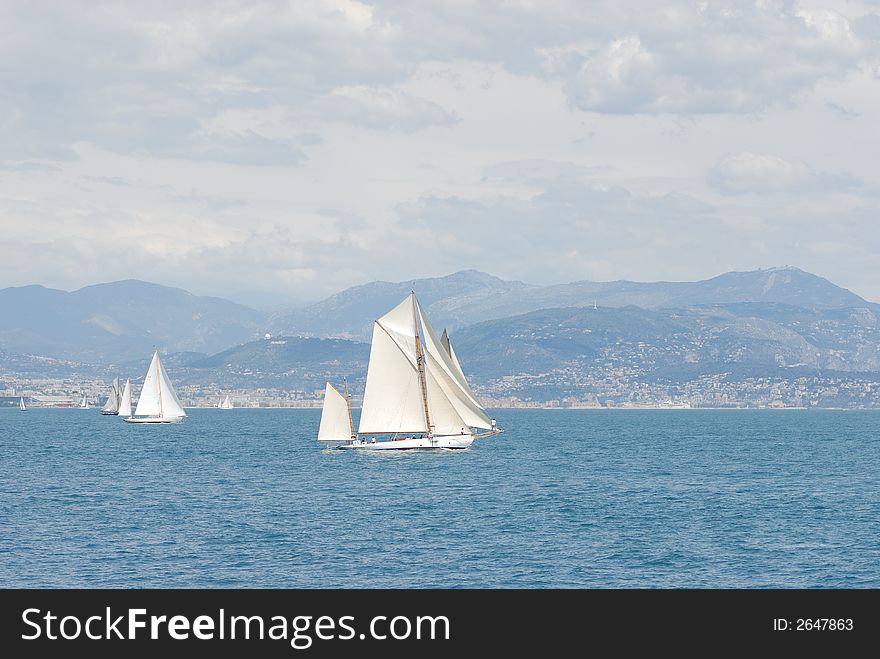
x=296, y=148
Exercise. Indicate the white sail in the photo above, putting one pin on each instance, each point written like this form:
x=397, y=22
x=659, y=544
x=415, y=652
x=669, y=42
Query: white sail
x=335, y=420
x=393, y=400
x=158, y=398
x=445, y=419
x=21, y=404
x=112, y=404
x=448, y=375
x=125, y=405
x=226, y=404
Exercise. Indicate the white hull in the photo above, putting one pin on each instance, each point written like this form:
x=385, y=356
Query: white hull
x=153, y=419
x=447, y=442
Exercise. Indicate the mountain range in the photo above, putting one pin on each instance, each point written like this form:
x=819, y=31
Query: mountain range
x=758, y=322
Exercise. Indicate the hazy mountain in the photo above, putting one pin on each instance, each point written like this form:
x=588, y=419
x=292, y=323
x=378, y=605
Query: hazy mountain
x=119, y=320
x=469, y=297
x=350, y=314
x=757, y=338
x=295, y=363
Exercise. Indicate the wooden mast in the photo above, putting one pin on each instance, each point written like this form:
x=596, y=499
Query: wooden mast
x=159, y=386
x=421, y=365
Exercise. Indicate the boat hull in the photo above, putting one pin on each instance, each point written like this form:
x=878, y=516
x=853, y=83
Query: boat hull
x=445, y=442
x=152, y=419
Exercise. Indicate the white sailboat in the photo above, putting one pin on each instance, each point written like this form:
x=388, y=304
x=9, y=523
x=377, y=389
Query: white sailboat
x=111, y=407
x=84, y=403
x=125, y=403
x=416, y=395
x=158, y=402
x=226, y=404
x=21, y=404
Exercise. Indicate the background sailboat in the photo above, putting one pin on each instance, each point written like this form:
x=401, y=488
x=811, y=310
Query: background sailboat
x=416, y=394
x=226, y=404
x=158, y=402
x=84, y=403
x=21, y=404
x=112, y=404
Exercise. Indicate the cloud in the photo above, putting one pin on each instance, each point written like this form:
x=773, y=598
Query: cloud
x=383, y=109
x=759, y=173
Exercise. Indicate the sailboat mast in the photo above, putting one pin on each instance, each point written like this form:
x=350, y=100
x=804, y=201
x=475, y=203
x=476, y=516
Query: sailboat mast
x=348, y=405
x=421, y=364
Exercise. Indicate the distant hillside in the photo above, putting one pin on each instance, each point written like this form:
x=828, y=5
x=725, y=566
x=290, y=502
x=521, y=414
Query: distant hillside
x=470, y=297
x=287, y=362
x=756, y=338
x=119, y=321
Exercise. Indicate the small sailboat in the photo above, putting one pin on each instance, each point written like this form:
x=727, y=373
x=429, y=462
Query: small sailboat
x=416, y=396
x=84, y=403
x=111, y=407
x=226, y=404
x=125, y=403
x=21, y=404
x=158, y=402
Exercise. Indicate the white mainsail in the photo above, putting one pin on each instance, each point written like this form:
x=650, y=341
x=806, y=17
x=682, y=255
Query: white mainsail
x=158, y=399
x=226, y=404
x=393, y=400
x=21, y=404
x=112, y=404
x=125, y=405
x=335, y=418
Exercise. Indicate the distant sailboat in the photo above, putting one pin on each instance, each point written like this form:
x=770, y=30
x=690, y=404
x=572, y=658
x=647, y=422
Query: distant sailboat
x=21, y=404
x=158, y=403
x=226, y=404
x=84, y=403
x=112, y=405
x=125, y=403
x=416, y=393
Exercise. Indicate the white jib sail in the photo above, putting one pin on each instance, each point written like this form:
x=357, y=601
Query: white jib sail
x=450, y=378
x=393, y=401
x=157, y=396
x=125, y=405
x=335, y=422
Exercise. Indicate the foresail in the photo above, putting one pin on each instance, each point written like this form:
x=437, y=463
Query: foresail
x=449, y=376
x=445, y=419
x=171, y=407
x=125, y=405
x=335, y=422
x=393, y=400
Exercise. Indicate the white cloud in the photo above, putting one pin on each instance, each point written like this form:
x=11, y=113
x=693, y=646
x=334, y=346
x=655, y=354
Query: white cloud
x=759, y=173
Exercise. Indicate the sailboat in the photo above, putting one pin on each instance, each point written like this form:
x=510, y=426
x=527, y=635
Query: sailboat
x=125, y=402
x=158, y=403
x=416, y=396
x=226, y=404
x=21, y=404
x=84, y=403
x=111, y=407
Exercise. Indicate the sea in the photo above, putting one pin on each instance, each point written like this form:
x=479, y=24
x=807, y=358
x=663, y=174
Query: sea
x=563, y=498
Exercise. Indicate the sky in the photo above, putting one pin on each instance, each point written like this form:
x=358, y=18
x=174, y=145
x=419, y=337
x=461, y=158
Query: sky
x=278, y=152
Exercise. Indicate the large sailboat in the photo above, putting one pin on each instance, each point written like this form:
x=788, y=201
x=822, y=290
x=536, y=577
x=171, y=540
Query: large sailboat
x=111, y=407
x=416, y=396
x=125, y=401
x=158, y=403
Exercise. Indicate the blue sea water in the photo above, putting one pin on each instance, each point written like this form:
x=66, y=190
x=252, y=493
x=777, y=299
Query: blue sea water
x=565, y=498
